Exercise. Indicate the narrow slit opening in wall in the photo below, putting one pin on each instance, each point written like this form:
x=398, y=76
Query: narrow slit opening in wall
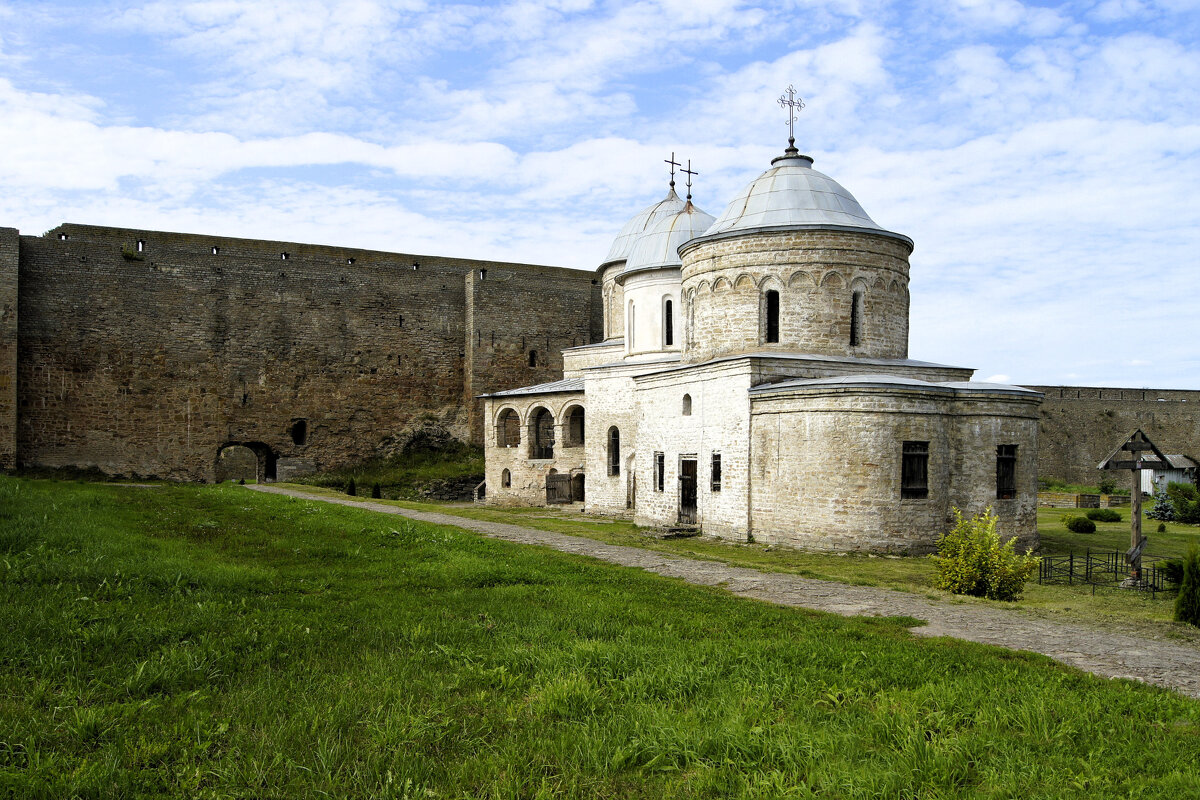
x=283, y=256
x=215, y=250
x=349, y=260
x=141, y=245
x=772, y=332
x=855, y=318
x=533, y=362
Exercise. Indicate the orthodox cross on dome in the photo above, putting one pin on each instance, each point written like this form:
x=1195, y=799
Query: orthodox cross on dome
x=689, y=178
x=793, y=104
x=673, y=164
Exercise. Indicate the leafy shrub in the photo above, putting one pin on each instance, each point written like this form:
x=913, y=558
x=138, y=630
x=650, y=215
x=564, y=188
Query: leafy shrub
x=1187, y=604
x=1172, y=569
x=971, y=560
x=1162, y=527
x=1107, y=486
x=1079, y=524
x=1104, y=515
x=1186, y=502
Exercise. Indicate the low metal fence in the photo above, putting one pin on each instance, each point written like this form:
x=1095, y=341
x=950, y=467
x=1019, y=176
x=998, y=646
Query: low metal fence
x=1105, y=570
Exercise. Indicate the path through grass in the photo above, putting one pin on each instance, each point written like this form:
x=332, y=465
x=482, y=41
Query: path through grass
x=213, y=642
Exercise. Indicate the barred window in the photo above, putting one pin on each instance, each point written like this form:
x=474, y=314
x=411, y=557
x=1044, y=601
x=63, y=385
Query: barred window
x=716, y=472
x=1006, y=471
x=660, y=466
x=914, y=470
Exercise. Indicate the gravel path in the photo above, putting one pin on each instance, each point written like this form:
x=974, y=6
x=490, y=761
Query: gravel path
x=1112, y=655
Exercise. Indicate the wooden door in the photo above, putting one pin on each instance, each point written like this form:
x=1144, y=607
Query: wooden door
x=687, y=491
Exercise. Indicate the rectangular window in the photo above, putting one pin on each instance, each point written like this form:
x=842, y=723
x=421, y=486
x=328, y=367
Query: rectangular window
x=660, y=464
x=716, y=472
x=1006, y=471
x=914, y=471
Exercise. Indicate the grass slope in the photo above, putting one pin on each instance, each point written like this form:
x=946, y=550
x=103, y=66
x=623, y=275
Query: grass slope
x=211, y=642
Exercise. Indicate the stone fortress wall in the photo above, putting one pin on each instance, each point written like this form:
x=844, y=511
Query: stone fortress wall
x=1081, y=425
x=149, y=362
x=144, y=352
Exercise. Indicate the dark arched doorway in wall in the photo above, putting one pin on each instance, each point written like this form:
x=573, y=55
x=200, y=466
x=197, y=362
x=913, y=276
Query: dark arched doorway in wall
x=245, y=460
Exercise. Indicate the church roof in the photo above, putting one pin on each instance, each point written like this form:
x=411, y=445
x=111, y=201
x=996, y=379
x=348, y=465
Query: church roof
x=565, y=386
x=643, y=221
x=791, y=194
x=659, y=246
x=882, y=381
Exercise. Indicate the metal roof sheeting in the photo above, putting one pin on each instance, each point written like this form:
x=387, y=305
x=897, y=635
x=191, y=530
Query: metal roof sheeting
x=789, y=194
x=659, y=246
x=554, y=387
x=894, y=382
x=643, y=221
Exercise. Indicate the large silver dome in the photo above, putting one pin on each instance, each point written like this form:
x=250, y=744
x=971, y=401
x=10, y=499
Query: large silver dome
x=642, y=222
x=659, y=246
x=792, y=194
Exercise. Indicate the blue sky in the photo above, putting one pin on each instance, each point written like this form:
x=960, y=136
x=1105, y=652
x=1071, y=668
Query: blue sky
x=1045, y=157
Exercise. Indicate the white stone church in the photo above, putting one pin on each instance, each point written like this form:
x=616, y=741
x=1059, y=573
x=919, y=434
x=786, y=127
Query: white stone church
x=754, y=383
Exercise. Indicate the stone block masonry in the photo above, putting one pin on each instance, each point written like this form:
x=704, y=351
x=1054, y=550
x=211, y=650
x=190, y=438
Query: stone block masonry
x=1080, y=425
x=143, y=352
x=9, y=250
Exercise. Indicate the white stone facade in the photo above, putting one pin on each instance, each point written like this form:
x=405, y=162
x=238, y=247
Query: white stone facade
x=779, y=403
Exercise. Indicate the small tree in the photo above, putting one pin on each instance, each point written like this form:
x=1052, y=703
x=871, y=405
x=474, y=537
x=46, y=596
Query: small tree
x=376, y=492
x=971, y=560
x=1187, y=604
x=351, y=488
x=1164, y=509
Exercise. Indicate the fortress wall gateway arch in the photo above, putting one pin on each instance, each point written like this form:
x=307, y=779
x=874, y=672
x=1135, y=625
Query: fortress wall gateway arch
x=143, y=352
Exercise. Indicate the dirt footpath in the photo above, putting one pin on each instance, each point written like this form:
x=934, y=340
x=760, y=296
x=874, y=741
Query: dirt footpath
x=1112, y=655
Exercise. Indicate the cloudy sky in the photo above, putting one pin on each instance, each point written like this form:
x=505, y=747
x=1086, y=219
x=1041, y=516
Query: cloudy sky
x=1045, y=157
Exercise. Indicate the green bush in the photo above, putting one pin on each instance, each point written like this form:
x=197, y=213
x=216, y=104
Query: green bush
x=351, y=488
x=971, y=560
x=376, y=492
x=1104, y=515
x=1172, y=569
x=1186, y=501
x=1187, y=604
x=1079, y=524
x=1162, y=527
x=1107, y=486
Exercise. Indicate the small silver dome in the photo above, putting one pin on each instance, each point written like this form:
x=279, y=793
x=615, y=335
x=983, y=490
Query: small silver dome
x=792, y=193
x=642, y=222
x=659, y=246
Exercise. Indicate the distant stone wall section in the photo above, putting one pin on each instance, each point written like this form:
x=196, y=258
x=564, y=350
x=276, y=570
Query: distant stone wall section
x=9, y=250
x=1080, y=425
x=143, y=352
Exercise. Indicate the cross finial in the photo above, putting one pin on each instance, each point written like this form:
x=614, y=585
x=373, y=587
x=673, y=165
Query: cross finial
x=673, y=164
x=689, y=178
x=793, y=104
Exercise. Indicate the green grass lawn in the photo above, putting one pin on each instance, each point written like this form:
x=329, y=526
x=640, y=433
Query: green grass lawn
x=196, y=641
x=1132, y=612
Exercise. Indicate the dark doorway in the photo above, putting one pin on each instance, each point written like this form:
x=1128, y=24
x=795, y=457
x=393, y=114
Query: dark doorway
x=577, y=488
x=687, y=491
x=263, y=454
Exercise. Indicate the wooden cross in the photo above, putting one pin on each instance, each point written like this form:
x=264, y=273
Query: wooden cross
x=689, y=177
x=1135, y=445
x=793, y=104
x=674, y=164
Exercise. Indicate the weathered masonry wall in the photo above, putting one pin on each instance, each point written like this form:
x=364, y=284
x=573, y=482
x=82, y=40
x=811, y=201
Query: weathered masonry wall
x=9, y=248
x=147, y=352
x=518, y=324
x=1080, y=425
